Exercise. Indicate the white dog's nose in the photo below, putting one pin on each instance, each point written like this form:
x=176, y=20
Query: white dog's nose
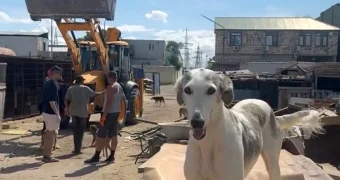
x=197, y=121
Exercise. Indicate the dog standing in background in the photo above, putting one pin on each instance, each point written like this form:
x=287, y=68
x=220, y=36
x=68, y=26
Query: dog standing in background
x=183, y=112
x=158, y=100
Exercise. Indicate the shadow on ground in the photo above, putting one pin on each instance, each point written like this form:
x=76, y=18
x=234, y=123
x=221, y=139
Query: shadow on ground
x=86, y=170
x=21, y=167
x=24, y=145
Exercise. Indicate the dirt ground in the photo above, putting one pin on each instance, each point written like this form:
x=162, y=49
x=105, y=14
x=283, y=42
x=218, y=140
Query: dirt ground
x=26, y=162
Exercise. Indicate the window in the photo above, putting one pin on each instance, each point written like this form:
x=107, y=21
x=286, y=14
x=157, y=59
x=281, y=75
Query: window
x=271, y=39
x=44, y=46
x=235, y=39
x=321, y=39
x=305, y=39
x=151, y=47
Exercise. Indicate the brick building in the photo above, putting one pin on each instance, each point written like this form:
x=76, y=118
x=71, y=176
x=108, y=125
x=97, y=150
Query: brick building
x=272, y=39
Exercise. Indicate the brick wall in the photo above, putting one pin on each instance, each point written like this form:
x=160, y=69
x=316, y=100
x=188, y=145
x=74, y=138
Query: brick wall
x=253, y=41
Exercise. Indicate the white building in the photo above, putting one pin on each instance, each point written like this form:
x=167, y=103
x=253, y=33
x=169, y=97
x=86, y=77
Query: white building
x=26, y=44
x=147, y=51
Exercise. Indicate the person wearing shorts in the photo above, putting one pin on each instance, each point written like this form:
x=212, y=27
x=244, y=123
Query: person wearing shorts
x=51, y=113
x=108, y=129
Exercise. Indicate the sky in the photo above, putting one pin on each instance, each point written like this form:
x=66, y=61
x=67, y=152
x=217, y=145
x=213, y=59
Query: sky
x=168, y=19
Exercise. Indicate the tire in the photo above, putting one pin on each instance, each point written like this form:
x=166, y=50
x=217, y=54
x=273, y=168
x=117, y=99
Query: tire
x=122, y=117
x=65, y=121
x=132, y=114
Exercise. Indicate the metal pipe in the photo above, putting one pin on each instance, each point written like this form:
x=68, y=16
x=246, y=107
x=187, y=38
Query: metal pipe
x=224, y=32
x=74, y=39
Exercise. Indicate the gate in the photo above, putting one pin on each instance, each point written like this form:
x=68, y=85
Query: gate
x=24, y=80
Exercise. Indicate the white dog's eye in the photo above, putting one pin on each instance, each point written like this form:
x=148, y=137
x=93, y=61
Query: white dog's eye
x=187, y=90
x=211, y=91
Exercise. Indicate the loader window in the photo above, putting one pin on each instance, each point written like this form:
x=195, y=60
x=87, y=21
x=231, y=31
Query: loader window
x=114, y=55
x=90, y=59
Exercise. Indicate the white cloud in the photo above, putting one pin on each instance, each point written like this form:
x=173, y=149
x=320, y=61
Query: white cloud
x=204, y=38
x=5, y=18
x=129, y=37
x=45, y=26
x=133, y=28
x=157, y=15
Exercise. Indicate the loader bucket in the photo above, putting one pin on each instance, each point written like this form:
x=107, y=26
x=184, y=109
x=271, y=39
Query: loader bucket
x=58, y=9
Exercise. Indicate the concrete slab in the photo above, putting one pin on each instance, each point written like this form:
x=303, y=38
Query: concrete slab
x=168, y=165
x=330, y=169
x=175, y=130
x=95, y=118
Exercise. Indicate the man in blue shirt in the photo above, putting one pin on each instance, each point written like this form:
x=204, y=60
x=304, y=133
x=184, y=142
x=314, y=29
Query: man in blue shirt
x=50, y=112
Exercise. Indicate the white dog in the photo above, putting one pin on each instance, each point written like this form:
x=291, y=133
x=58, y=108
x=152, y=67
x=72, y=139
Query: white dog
x=225, y=144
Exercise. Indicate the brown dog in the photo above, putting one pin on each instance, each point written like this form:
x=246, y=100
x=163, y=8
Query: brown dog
x=158, y=100
x=93, y=131
x=183, y=112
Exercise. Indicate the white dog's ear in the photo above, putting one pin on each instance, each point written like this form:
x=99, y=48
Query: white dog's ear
x=179, y=91
x=227, y=89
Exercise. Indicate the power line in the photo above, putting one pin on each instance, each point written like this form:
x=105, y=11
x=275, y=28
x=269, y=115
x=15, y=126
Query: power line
x=186, y=51
x=198, y=57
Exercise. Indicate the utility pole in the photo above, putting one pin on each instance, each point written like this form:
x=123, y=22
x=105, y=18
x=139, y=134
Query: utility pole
x=206, y=60
x=186, y=51
x=198, y=57
x=51, y=32
x=55, y=42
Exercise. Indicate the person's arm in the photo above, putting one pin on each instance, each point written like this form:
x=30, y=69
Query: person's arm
x=89, y=92
x=53, y=98
x=99, y=93
x=110, y=91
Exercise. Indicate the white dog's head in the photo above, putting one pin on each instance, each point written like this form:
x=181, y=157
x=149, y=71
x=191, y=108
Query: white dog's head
x=202, y=90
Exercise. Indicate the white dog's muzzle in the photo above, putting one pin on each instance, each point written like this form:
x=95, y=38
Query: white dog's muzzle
x=197, y=125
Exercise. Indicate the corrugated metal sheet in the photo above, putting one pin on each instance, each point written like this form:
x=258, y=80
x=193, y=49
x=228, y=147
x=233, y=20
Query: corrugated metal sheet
x=271, y=23
x=241, y=94
x=19, y=33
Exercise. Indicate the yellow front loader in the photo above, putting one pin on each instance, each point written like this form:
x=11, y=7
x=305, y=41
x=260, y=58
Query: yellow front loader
x=94, y=59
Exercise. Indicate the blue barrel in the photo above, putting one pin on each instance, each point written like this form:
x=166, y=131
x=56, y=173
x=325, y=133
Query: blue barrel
x=138, y=73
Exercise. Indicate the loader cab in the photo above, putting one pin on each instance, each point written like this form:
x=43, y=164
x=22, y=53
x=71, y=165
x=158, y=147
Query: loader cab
x=89, y=56
x=119, y=59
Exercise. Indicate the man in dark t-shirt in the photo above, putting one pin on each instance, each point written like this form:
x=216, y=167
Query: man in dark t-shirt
x=61, y=108
x=50, y=112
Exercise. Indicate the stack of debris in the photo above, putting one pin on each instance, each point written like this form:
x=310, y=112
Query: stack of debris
x=148, y=86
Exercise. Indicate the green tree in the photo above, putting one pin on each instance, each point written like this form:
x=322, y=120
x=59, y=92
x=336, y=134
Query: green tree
x=174, y=48
x=210, y=62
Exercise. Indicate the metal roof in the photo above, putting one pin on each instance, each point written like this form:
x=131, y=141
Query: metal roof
x=19, y=33
x=271, y=23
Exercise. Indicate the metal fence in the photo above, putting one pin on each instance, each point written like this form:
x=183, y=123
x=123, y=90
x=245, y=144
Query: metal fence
x=24, y=80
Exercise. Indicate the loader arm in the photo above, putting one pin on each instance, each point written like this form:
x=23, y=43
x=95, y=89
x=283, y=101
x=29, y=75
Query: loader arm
x=90, y=25
x=74, y=50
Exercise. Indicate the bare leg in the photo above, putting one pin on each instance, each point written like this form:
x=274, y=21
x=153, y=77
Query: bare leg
x=49, y=137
